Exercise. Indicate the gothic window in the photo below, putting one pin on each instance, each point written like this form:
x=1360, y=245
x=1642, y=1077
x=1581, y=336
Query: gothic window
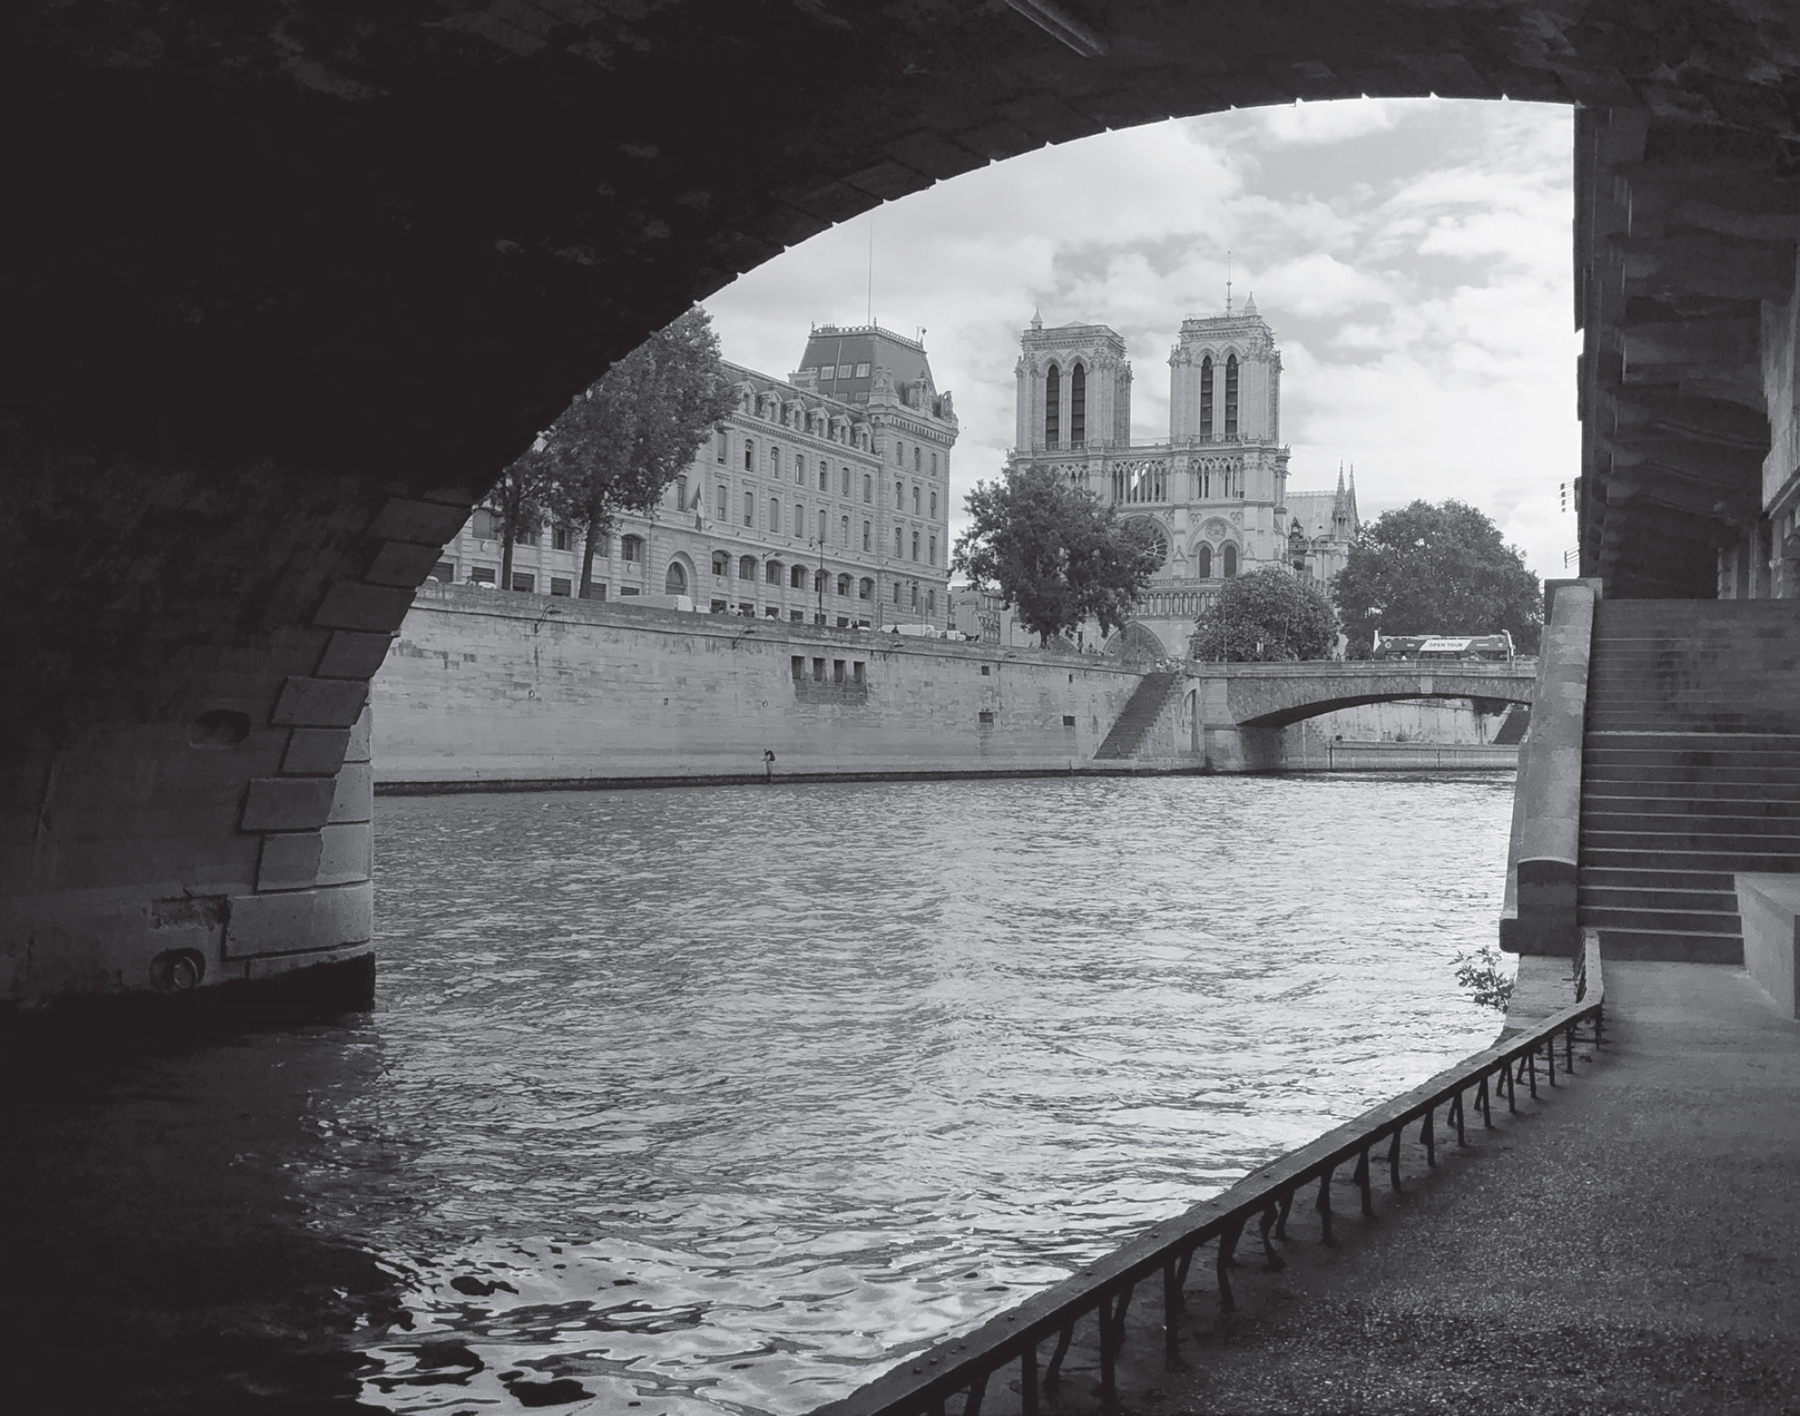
x=1078, y=407
x=1231, y=397
x=1203, y=561
x=1230, y=559
x=1052, y=405
x=1206, y=401
x=721, y=563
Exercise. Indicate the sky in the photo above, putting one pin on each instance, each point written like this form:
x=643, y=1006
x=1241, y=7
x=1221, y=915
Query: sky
x=1413, y=258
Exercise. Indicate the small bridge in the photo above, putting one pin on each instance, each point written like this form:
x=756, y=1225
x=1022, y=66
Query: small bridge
x=1232, y=716
x=1275, y=695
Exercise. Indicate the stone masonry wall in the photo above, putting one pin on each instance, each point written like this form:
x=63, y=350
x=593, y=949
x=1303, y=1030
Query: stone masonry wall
x=484, y=687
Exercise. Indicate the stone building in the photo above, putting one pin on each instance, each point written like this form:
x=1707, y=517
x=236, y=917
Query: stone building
x=1216, y=491
x=823, y=499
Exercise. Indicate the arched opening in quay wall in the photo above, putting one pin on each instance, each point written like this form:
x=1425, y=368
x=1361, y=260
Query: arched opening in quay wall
x=280, y=303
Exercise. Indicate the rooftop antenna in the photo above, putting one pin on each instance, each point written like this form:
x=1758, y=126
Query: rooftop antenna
x=1228, y=282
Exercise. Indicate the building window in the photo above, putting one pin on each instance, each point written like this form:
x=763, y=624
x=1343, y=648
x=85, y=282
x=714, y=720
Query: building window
x=719, y=441
x=799, y=519
x=681, y=494
x=915, y=545
x=1203, y=561
x=562, y=538
x=899, y=453
x=797, y=616
x=1078, y=407
x=897, y=588
x=846, y=481
x=746, y=567
x=485, y=525
x=899, y=543
x=799, y=470
x=856, y=671
x=865, y=588
x=749, y=454
x=818, y=671
x=843, y=585
x=1230, y=559
x=915, y=594
x=797, y=666
x=916, y=502
x=1206, y=398
x=561, y=586
x=772, y=612
x=524, y=536
x=721, y=562
x=824, y=476
x=844, y=530
x=1052, y=406
x=837, y=670
x=934, y=503
x=724, y=505
x=932, y=558
x=934, y=468
x=746, y=609
x=917, y=460
x=931, y=602
x=824, y=526
x=821, y=580
x=868, y=488
x=866, y=545
x=899, y=496
x=772, y=572
x=774, y=463
x=675, y=582
x=444, y=571
x=1231, y=397
x=797, y=578
x=750, y=508
x=631, y=548
x=862, y=370
x=985, y=715
x=522, y=581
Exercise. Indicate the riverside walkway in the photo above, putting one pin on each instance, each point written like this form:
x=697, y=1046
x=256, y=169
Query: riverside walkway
x=1630, y=1242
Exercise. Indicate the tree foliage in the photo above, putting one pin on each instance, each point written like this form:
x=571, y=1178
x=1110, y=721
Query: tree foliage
x=622, y=441
x=1269, y=613
x=1055, y=554
x=1436, y=569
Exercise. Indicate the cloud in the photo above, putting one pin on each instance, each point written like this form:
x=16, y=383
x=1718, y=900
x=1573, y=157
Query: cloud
x=1412, y=257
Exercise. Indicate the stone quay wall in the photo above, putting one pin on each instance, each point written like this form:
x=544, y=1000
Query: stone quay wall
x=489, y=690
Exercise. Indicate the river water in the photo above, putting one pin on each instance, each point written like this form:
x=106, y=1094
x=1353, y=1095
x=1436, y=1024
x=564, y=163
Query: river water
x=712, y=1099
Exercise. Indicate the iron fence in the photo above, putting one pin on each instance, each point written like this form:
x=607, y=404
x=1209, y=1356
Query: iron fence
x=927, y=1383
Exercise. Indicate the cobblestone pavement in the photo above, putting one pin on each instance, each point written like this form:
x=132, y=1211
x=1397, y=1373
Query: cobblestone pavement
x=1627, y=1244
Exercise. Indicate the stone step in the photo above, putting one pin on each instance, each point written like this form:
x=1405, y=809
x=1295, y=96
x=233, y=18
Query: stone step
x=1712, y=882
x=1708, y=922
x=1680, y=824
x=1671, y=946
x=1762, y=782
x=1691, y=840
x=1609, y=801
x=1651, y=897
x=1665, y=862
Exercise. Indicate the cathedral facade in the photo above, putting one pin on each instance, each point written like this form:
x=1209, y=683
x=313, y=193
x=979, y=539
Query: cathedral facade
x=1215, y=493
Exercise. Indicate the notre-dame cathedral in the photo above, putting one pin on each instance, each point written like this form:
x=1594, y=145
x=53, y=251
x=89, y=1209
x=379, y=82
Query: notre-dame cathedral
x=1216, y=491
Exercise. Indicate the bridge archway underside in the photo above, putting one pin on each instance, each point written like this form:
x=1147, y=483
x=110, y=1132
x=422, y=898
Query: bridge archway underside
x=285, y=286
x=1278, y=700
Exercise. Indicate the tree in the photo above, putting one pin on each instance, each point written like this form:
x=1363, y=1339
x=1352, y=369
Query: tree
x=1055, y=553
x=1444, y=569
x=1269, y=613
x=619, y=444
x=522, y=499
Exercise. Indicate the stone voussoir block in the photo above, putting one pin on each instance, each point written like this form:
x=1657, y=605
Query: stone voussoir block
x=354, y=653
x=286, y=803
x=350, y=604
x=353, y=797
x=315, y=752
x=320, y=703
x=361, y=734
x=348, y=854
x=429, y=523
x=289, y=860
x=402, y=563
x=294, y=921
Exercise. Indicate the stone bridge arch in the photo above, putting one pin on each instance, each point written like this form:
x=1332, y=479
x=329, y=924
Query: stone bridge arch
x=280, y=299
x=1257, y=698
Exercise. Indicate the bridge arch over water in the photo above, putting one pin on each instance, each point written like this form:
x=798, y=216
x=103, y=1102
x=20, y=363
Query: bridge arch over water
x=1279, y=695
x=280, y=299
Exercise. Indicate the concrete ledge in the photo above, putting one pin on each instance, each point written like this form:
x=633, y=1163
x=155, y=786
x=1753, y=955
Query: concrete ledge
x=781, y=779
x=1769, y=906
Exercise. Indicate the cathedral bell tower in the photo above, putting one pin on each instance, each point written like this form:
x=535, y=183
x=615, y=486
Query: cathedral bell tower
x=1074, y=388
x=1225, y=380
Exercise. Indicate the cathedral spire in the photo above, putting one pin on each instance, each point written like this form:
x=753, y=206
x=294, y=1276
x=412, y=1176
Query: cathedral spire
x=1037, y=319
x=1250, y=304
x=1340, y=478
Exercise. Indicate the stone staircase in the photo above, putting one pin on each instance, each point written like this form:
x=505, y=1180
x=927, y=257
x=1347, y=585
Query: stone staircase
x=1142, y=710
x=1690, y=770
